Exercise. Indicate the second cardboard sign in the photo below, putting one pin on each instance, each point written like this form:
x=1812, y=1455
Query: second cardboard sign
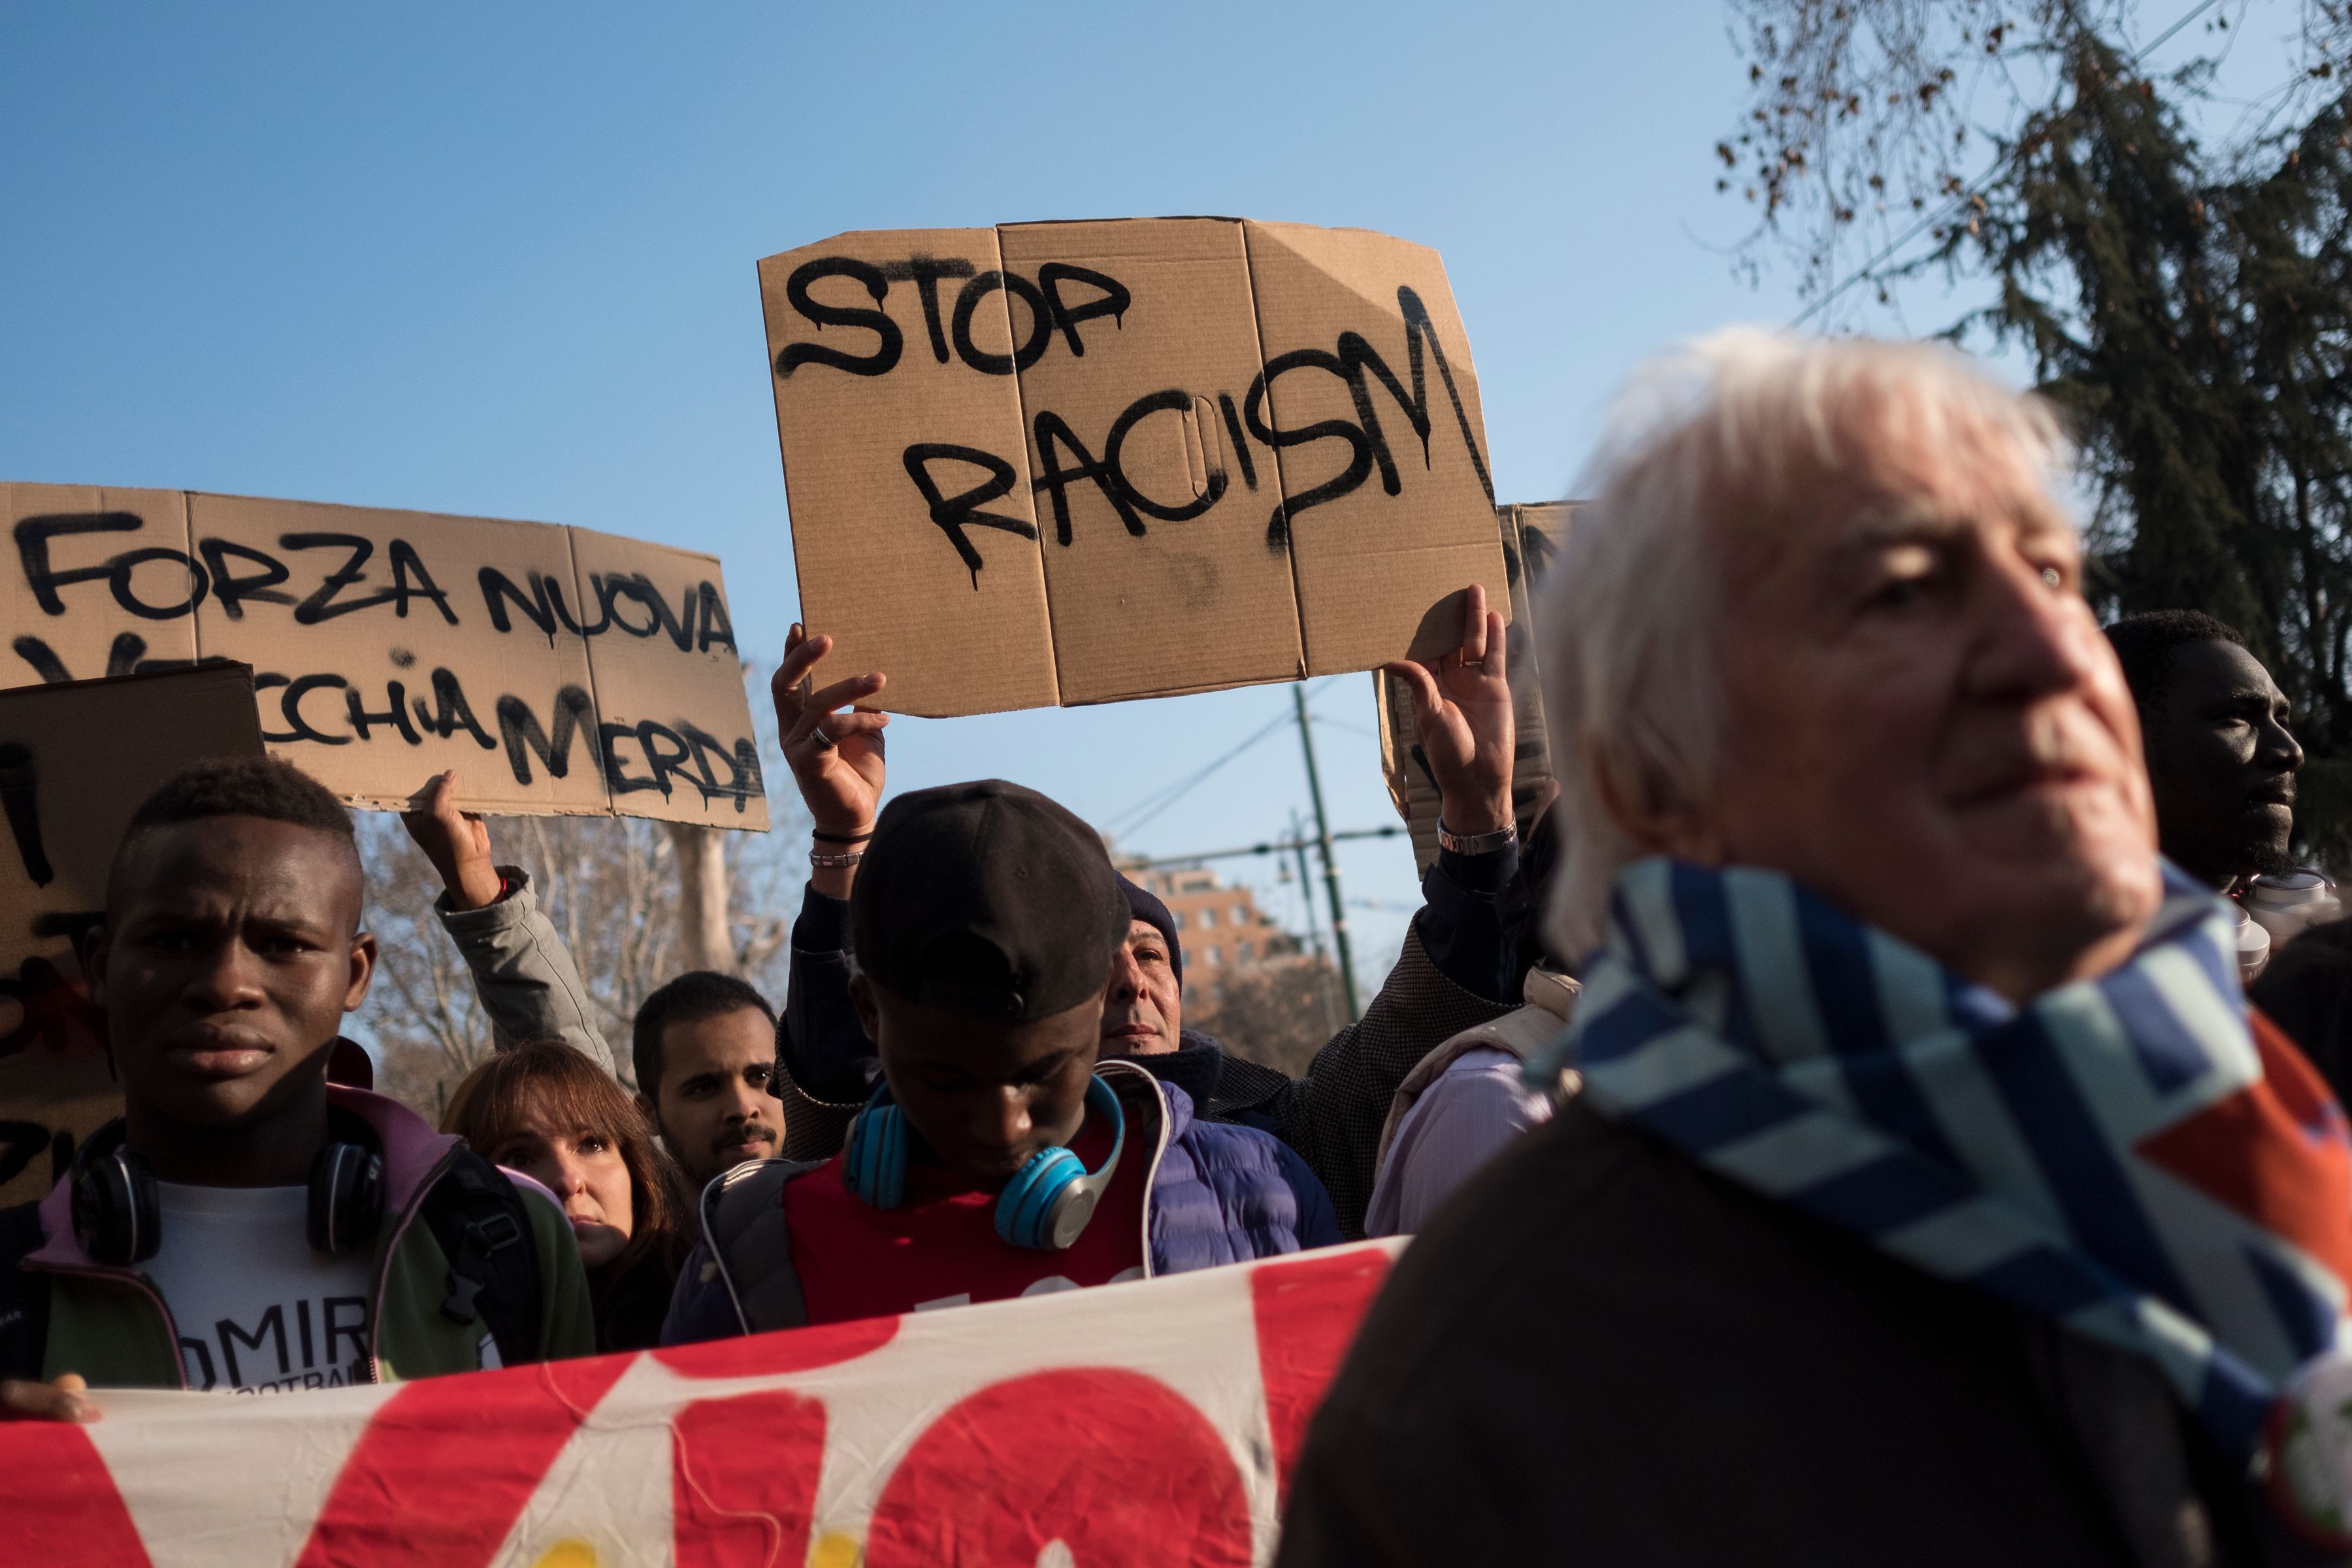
x=558, y=672
x=1079, y=462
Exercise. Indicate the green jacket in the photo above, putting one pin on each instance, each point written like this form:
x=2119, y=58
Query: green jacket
x=111, y=1325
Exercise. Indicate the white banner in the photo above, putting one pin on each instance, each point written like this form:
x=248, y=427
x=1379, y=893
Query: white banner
x=1149, y=1422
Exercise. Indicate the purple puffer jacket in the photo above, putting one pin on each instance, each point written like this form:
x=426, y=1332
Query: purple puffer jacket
x=1218, y=1194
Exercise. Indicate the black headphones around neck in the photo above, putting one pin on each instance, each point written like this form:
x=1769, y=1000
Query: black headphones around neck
x=119, y=1220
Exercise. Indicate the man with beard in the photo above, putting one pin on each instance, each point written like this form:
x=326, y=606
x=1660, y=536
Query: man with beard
x=702, y=1044
x=2213, y=726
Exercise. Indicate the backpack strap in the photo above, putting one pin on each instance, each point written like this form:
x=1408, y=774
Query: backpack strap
x=24, y=1298
x=743, y=1221
x=478, y=1218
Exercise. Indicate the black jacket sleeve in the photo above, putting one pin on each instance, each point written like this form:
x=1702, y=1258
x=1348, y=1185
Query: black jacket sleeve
x=824, y=1063
x=1459, y=927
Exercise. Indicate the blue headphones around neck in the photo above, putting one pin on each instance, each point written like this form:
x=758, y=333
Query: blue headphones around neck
x=1044, y=1206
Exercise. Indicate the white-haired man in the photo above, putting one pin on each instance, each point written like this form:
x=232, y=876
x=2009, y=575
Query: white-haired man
x=1932, y=1197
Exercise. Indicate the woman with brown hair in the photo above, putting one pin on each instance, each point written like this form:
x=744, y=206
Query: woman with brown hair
x=545, y=1109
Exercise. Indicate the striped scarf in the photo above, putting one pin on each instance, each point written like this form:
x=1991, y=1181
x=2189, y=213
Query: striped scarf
x=2126, y=1156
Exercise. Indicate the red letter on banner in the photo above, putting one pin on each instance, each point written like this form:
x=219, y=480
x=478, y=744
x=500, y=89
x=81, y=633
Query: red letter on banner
x=743, y=1480
x=1307, y=1313
x=774, y=1354
x=441, y=1474
x=1117, y=1466
x=61, y=1502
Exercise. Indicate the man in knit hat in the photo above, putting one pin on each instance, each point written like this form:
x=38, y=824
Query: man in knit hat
x=1455, y=973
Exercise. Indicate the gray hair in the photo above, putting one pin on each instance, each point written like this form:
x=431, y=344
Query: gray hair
x=1724, y=434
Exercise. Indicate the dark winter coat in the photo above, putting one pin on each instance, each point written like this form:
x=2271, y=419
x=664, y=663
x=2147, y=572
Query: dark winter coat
x=1215, y=1193
x=1601, y=1353
x=1455, y=971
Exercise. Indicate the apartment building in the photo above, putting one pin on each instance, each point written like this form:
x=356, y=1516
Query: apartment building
x=1222, y=928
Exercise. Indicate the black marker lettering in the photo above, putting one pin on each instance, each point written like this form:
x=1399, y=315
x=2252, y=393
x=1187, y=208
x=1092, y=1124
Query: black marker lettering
x=118, y=579
x=405, y=565
x=232, y=591
x=498, y=589
x=1028, y=352
x=555, y=602
x=953, y=514
x=33, y=535
x=679, y=626
x=742, y=765
x=455, y=713
x=1241, y=447
x=925, y=272
x=1052, y=427
x=123, y=656
x=320, y=606
x=1113, y=302
x=716, y=628
x=524, y=738
x=43, y=658
x=1357, y=356
x=396, y=715
x=616, y=772
x=291, y=706
x=1173, y=400
x=1360, y=462
x=796, y=290
x=265, y=682
x=20, y=799
x=678, y=759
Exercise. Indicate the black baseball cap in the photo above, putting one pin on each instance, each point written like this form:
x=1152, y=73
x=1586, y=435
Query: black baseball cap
x=986, y=899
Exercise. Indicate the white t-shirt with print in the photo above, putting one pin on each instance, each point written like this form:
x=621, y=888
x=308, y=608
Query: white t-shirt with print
x=259, y=1311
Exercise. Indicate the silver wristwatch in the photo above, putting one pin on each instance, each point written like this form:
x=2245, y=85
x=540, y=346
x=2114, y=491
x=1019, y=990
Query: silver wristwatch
x=1475, y=843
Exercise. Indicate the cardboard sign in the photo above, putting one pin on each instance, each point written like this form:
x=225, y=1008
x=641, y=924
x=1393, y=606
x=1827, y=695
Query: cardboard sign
x=1533, y=536
x=1079, y=462
x=75, y=762
x=1154, y=1422
x=558, y=672
x=50, y=1101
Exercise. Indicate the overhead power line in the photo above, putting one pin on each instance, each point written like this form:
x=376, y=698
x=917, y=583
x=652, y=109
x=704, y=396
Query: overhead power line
x=1271, y=846
x=1126, y=823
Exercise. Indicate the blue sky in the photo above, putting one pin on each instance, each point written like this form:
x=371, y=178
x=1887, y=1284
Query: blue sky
x=499, y=260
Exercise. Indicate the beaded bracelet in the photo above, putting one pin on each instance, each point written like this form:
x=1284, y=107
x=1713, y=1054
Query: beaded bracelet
x=824, y=862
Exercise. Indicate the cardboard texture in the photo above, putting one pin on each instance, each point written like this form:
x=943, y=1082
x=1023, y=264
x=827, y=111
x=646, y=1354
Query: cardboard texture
x=76, y=545
x=1533, y=536
x=50, y=1101
x=69, y=784
x=558, y=672
x=957, y=606
x=1082, y=462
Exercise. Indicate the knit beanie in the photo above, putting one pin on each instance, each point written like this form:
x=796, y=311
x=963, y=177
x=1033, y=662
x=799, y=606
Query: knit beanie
x=1149, y=909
